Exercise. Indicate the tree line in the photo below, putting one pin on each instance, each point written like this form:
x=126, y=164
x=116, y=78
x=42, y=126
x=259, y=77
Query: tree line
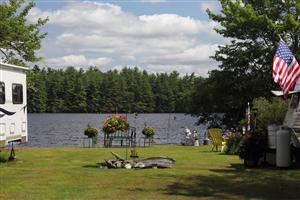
x=130, y=90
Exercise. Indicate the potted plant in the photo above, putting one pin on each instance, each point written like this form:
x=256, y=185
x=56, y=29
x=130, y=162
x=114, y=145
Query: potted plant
x=253, y=148
x=206, y=140
x=149, y=133
x=112, y=124
x=91, y=132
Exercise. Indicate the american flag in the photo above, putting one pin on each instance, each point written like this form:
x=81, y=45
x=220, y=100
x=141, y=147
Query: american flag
x=286, y=69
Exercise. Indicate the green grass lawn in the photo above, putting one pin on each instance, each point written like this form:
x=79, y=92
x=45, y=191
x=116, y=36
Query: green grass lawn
x=72, y=173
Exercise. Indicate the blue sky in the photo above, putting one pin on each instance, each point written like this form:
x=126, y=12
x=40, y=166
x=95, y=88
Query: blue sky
x=158, y=36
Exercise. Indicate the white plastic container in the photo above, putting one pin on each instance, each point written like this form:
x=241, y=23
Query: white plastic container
x=283, y=151
x=272, y=129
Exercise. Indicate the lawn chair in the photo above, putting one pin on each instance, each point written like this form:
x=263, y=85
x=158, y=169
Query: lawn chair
x=216, y=137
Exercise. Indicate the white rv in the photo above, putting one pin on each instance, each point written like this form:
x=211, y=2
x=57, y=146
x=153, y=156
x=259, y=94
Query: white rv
x=13, y=102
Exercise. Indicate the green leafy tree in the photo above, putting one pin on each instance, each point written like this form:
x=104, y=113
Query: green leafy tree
x=19, y=41
x=270, y=112
x=92, y=80
x=75, y=95
x=110, y=91
x=36, y=95
x=132, y=90
x=122, y=95
x=246, y=62
x=55, y=91
x=146, y=93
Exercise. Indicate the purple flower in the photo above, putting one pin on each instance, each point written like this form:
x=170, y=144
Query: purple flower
x=234, y=139
x=232, y=129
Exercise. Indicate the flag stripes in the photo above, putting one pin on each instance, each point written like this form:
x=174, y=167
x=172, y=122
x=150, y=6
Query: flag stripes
x=286, y=70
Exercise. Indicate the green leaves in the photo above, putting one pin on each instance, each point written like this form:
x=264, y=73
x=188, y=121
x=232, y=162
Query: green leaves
x=270, y=112
x=18, y=41
x=245, y=70
x=93, y=91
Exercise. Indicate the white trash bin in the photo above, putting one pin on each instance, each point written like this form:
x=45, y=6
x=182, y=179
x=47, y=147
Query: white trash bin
x=283, y=149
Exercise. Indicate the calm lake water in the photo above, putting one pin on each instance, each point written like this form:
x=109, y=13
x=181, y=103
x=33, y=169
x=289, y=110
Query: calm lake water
x=66, y=130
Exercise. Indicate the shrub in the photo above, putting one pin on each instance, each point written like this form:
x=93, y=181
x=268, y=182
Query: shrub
x=234, y=138
x=4, y=157
x=269, y=112
x=253, y=146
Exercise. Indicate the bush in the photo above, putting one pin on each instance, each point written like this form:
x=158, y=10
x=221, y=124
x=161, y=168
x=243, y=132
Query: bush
x=4, y=157
x=233, y=140
x=253, y=146
x=269, y=112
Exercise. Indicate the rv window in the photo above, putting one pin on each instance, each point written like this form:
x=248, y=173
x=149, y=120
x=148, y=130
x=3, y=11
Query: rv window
x=2, y=93
x=17, y=93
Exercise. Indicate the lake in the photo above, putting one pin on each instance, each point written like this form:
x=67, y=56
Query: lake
x=66, y=130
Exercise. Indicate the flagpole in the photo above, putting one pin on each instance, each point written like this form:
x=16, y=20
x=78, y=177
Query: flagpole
x=279, y=36
x=248, y=116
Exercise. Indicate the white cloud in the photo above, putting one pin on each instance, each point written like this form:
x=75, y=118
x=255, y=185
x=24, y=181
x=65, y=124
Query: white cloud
x=128, y=58
x=193, y=55
x=213, y=6
x=92, y=18
x=168, y=68
x=96, y=34
x=76, y=61
x=153, y=1
x=118, y=67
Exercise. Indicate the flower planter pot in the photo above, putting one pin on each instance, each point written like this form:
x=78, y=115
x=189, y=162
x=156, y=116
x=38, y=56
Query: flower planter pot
x=206, y=142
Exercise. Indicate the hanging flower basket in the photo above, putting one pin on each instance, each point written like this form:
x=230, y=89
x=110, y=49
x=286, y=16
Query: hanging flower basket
x=149, y=132
x=113, y=124
x=91, y=131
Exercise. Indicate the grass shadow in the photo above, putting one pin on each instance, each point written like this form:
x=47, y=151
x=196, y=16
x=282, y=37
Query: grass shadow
x=91, y=166
x=239, y=182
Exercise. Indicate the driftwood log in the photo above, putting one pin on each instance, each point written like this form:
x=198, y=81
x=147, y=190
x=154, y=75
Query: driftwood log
x=159, y=162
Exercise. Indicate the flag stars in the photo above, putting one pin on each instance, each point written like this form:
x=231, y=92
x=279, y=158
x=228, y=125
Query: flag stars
x=284, y=53
x=286, y=69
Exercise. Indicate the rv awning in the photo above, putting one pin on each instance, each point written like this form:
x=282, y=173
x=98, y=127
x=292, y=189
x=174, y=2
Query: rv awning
x=280, y=93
